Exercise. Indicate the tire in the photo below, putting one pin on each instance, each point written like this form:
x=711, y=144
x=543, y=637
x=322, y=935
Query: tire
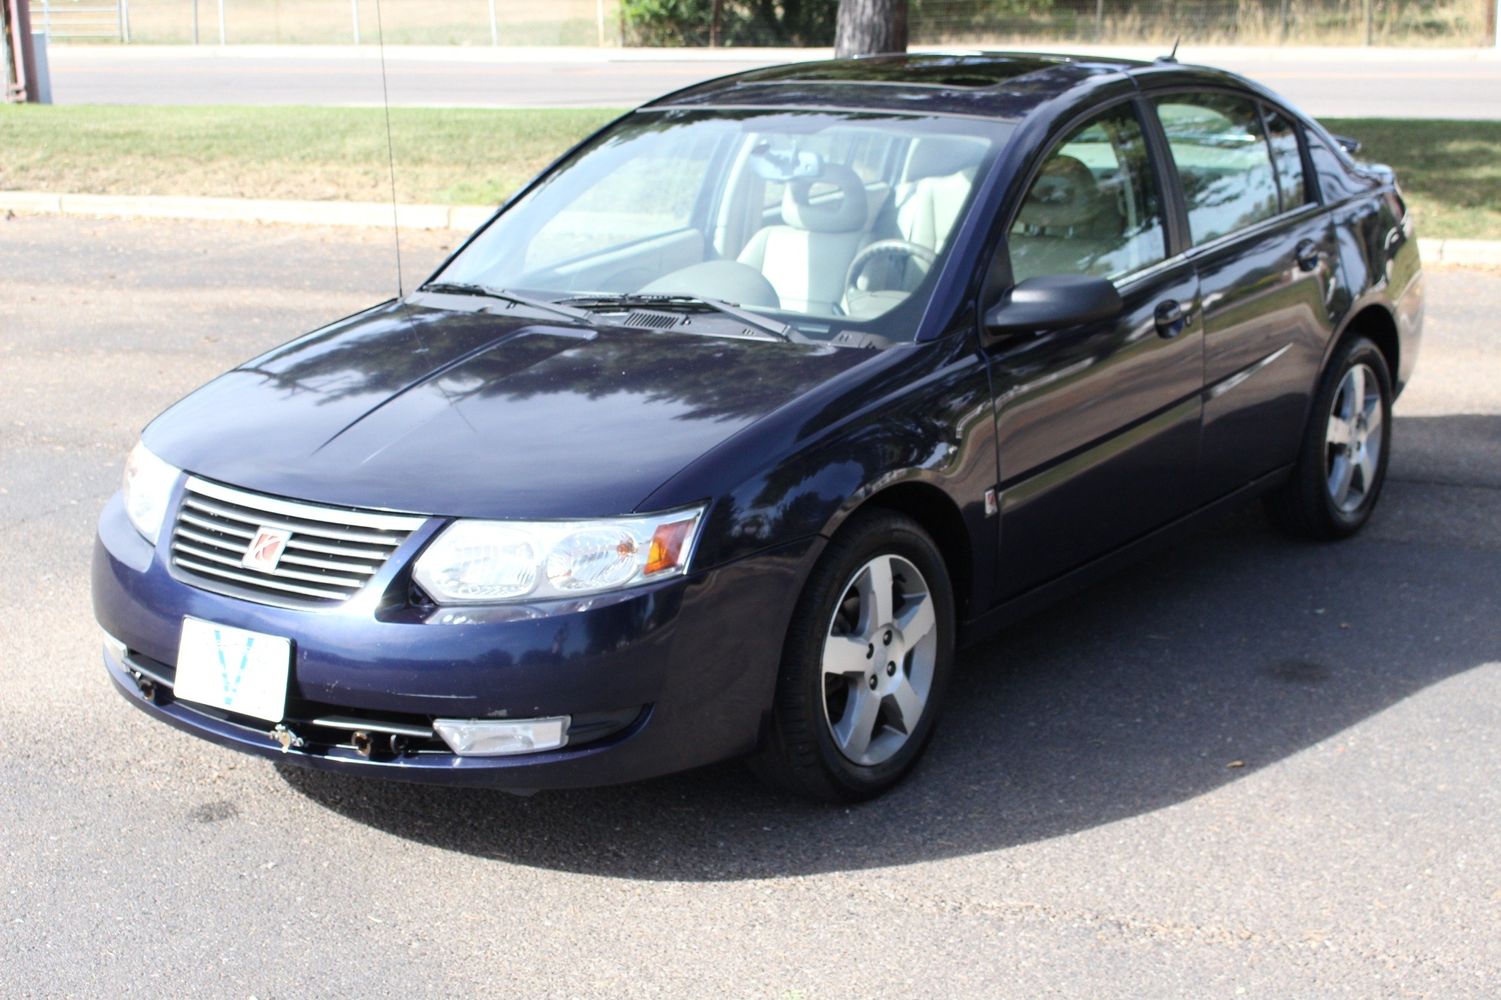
x=848, y=662
x=1342, y=462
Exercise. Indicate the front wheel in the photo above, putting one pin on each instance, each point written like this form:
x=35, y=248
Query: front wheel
x=1342, y=464
x=865, y=664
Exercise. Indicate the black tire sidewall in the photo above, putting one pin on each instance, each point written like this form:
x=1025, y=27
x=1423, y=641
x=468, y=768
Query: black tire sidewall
x=857, y=544
x=1315, y=468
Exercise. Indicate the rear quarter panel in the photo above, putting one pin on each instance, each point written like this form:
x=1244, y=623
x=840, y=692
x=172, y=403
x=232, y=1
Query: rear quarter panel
x=1378, y=247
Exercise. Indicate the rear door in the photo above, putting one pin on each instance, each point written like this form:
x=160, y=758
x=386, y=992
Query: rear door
x=1097, y=426
x=1264, y=249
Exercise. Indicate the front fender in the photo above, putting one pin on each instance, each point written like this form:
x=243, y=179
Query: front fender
x=919, y=415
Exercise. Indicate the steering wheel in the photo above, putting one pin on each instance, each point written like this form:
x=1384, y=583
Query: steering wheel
x=892, y=252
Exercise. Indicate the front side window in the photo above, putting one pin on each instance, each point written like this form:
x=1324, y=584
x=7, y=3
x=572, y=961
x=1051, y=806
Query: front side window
x=1094, y=207
x=827, y=220
x=1223, y=162
x=1283, y=137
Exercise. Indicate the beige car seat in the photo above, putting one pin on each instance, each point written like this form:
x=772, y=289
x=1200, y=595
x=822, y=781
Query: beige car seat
x=805, y=257
x=936, y=180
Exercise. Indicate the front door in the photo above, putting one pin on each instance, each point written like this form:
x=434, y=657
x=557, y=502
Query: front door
x=1097, y=426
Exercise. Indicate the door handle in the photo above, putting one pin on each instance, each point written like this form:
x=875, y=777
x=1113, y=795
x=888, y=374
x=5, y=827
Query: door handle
x=1170, y=318
x=1308, y=255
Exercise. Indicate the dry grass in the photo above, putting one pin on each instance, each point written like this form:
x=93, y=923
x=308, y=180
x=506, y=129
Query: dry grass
x=1218, y=22
x=408, y=22
x=960, y=22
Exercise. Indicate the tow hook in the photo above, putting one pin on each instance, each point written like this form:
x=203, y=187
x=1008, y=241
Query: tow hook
x=288, y=739
x=368, y=745
x=363, y=743
x=145, y=685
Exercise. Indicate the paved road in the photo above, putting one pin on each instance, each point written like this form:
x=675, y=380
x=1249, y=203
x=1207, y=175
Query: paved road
x=1333, y=83
x=1247, y=765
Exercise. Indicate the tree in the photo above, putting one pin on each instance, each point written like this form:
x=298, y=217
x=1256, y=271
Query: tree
x=868, y=27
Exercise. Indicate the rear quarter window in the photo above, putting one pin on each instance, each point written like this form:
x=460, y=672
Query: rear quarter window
x=1282, y=136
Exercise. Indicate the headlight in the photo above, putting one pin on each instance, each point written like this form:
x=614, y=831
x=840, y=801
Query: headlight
x=148, y=486
x=488, y=562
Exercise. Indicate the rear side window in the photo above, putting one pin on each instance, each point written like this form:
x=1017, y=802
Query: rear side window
x=1094, y=207
x=1223, y=161
x=1282, y=135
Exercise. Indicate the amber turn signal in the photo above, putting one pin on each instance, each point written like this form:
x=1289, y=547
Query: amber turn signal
x=667, y=546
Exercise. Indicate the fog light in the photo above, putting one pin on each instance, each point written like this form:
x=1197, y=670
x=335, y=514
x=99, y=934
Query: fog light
x=501, y=737
x=115, y=648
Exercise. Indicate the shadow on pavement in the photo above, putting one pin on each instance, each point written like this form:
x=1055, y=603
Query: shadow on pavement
x=1230, y=652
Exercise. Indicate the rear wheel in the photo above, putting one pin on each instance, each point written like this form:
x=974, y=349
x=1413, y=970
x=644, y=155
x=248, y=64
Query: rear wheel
x=865, y=664
x=1342, y=464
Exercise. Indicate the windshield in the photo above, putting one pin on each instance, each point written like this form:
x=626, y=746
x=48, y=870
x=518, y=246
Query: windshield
x=826, y=221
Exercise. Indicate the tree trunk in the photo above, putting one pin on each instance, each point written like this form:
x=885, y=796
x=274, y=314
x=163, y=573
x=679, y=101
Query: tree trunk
x=868, y=27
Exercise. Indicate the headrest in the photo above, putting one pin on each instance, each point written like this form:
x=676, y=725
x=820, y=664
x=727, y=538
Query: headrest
x=844, y=213
x=1064, y=194
x=941, y=155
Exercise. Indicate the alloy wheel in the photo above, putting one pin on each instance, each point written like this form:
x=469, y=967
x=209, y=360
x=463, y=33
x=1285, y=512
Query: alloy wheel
x=878, y=660
x=1353, y=440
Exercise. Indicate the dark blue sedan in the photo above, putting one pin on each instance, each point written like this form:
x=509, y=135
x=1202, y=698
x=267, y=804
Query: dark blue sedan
x=723, y=435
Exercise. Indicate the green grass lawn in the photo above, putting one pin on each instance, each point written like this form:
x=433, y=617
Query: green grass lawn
x=1450, y=170
x=448, y=156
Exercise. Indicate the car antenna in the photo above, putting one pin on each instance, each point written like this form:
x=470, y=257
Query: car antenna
x=1171, y=57
x=385, y=93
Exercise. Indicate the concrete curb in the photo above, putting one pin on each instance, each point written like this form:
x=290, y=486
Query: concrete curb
x=462, y=218
x=1464, y=253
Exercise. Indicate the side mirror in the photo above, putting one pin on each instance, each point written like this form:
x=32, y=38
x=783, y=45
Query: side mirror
x=1349, y=145
x=1052, y=302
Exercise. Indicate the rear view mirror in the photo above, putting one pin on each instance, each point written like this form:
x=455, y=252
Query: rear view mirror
x=780, y=168
x=1052, y=302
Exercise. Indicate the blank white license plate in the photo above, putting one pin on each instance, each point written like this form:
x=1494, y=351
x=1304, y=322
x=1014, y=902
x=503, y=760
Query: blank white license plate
x=233, y=668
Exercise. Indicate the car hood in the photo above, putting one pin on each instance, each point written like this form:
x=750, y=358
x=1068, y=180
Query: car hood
x=478, y=414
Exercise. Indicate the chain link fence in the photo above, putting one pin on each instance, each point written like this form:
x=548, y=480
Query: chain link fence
x=769, y=22
x=1201, y=22
x=333, y=22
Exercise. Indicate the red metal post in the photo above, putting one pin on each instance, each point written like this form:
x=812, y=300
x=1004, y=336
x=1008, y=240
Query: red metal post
x=23, y=56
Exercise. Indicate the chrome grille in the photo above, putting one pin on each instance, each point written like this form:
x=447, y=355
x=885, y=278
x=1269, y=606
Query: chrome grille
x=330, y=555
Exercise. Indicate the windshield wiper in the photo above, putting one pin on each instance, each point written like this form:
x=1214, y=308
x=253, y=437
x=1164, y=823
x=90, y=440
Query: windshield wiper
x=506, y=295
x=763, y=323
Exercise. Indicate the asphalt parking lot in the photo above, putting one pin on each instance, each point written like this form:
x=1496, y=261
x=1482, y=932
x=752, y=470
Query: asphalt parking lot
x=1245, y=766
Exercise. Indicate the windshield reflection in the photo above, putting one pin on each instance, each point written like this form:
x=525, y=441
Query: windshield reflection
x=826, y=220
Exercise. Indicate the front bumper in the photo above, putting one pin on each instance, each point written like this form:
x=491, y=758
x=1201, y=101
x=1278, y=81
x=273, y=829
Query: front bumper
x=662, y=679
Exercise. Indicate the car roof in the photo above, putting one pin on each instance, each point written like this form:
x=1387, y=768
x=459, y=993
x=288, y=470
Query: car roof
x=999, y=85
